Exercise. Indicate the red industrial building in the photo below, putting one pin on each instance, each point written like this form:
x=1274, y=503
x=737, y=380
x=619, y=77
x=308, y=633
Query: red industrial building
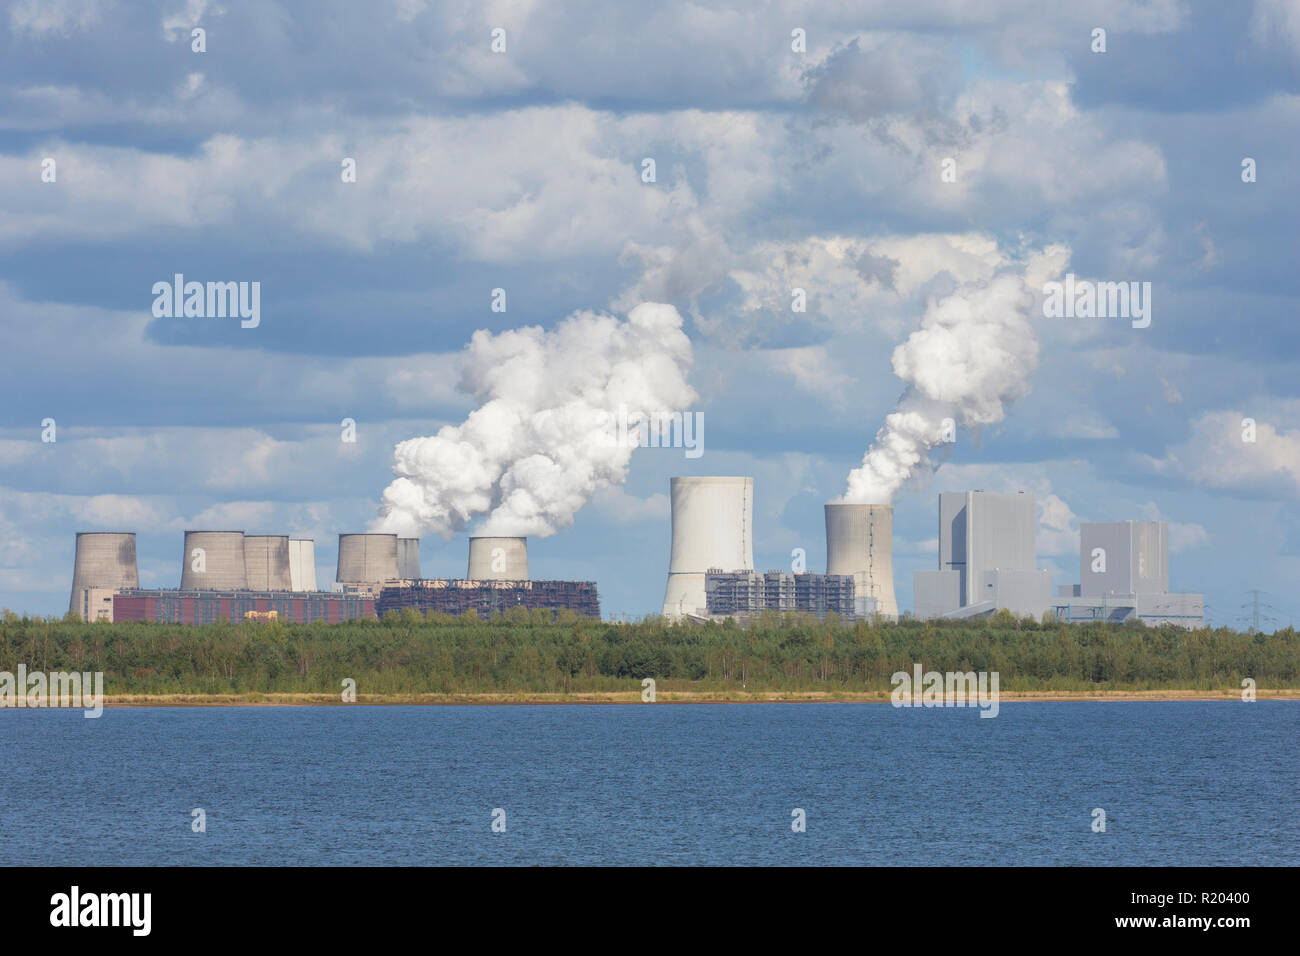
x=204, y=607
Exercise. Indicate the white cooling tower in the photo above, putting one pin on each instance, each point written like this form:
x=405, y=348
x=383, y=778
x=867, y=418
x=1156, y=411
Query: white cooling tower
x=859, y=541
x=498, y=559
x=213, y=561
x=104, y=559
x=302, y=564
x=408, y=558
x=712, y=528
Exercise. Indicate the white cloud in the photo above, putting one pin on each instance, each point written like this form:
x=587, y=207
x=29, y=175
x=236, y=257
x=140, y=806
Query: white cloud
x=1215, y=456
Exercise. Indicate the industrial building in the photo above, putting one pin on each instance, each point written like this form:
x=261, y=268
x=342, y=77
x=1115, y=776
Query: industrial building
x=224, y=575
x=711, y=568
x=230, y=575
x=489, y=597
x=1124, y=575
x=496, y=580
x=987, y=559
x=208, y=606
x=744, y=594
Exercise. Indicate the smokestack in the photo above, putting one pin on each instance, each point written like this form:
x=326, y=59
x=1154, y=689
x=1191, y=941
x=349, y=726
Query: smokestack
x=859, y=541
x=302, y=564
x=266, y=562
x=712, y=522
x=498, y=559
x=408, y=558
x=104, y=559
x=214, y=561
x=367, y=559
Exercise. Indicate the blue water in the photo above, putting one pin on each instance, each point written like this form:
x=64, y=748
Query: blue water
x=1181, y=783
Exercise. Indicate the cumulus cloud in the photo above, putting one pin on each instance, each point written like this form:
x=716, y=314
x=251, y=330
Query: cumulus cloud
x=1216, y=456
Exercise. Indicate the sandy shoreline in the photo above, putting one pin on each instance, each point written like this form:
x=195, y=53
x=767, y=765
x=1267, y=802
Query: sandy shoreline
x=663, y=697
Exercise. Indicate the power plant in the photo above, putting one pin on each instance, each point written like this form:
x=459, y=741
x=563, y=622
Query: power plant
x=859, y=543
x=496, y=580
x=230, y=575
x=1124, y=575
x=987, y=563
x=711, y=568
x=987, y=559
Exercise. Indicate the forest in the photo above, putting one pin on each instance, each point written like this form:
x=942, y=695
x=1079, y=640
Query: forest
x=536, y=652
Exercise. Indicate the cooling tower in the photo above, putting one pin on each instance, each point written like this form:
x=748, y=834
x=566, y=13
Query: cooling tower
x=213, y=561
x=408, y=558
x=302, y=564
x=266, y=562
x=105, y=559
x=712, y=524
x=859, y=541
x=367, y=558
x=498, y=559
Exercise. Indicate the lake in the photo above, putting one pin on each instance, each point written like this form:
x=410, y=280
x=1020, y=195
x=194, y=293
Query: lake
x=1185, y=783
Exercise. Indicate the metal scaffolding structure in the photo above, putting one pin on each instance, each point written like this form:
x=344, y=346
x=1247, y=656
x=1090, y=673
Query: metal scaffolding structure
x=489, y=597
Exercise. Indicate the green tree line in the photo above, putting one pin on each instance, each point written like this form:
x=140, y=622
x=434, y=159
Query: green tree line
x=536, y=652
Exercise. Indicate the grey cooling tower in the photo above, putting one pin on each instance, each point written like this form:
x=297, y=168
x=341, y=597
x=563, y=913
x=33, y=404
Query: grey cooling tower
x=105, y=559
x=498, y=559
x=367, y=559
x=266, y=562
x=213, y=561
x=302, y=564
x=408, y=558
x=859, y=541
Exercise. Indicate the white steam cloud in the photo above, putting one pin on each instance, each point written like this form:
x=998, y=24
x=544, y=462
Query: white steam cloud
x=538, y=446
x=972, y=356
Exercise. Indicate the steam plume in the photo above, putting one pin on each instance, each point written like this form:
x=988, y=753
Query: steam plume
x=972, y=356
x=538, y=446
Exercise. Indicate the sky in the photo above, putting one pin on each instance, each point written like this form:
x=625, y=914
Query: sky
x=900, y=157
